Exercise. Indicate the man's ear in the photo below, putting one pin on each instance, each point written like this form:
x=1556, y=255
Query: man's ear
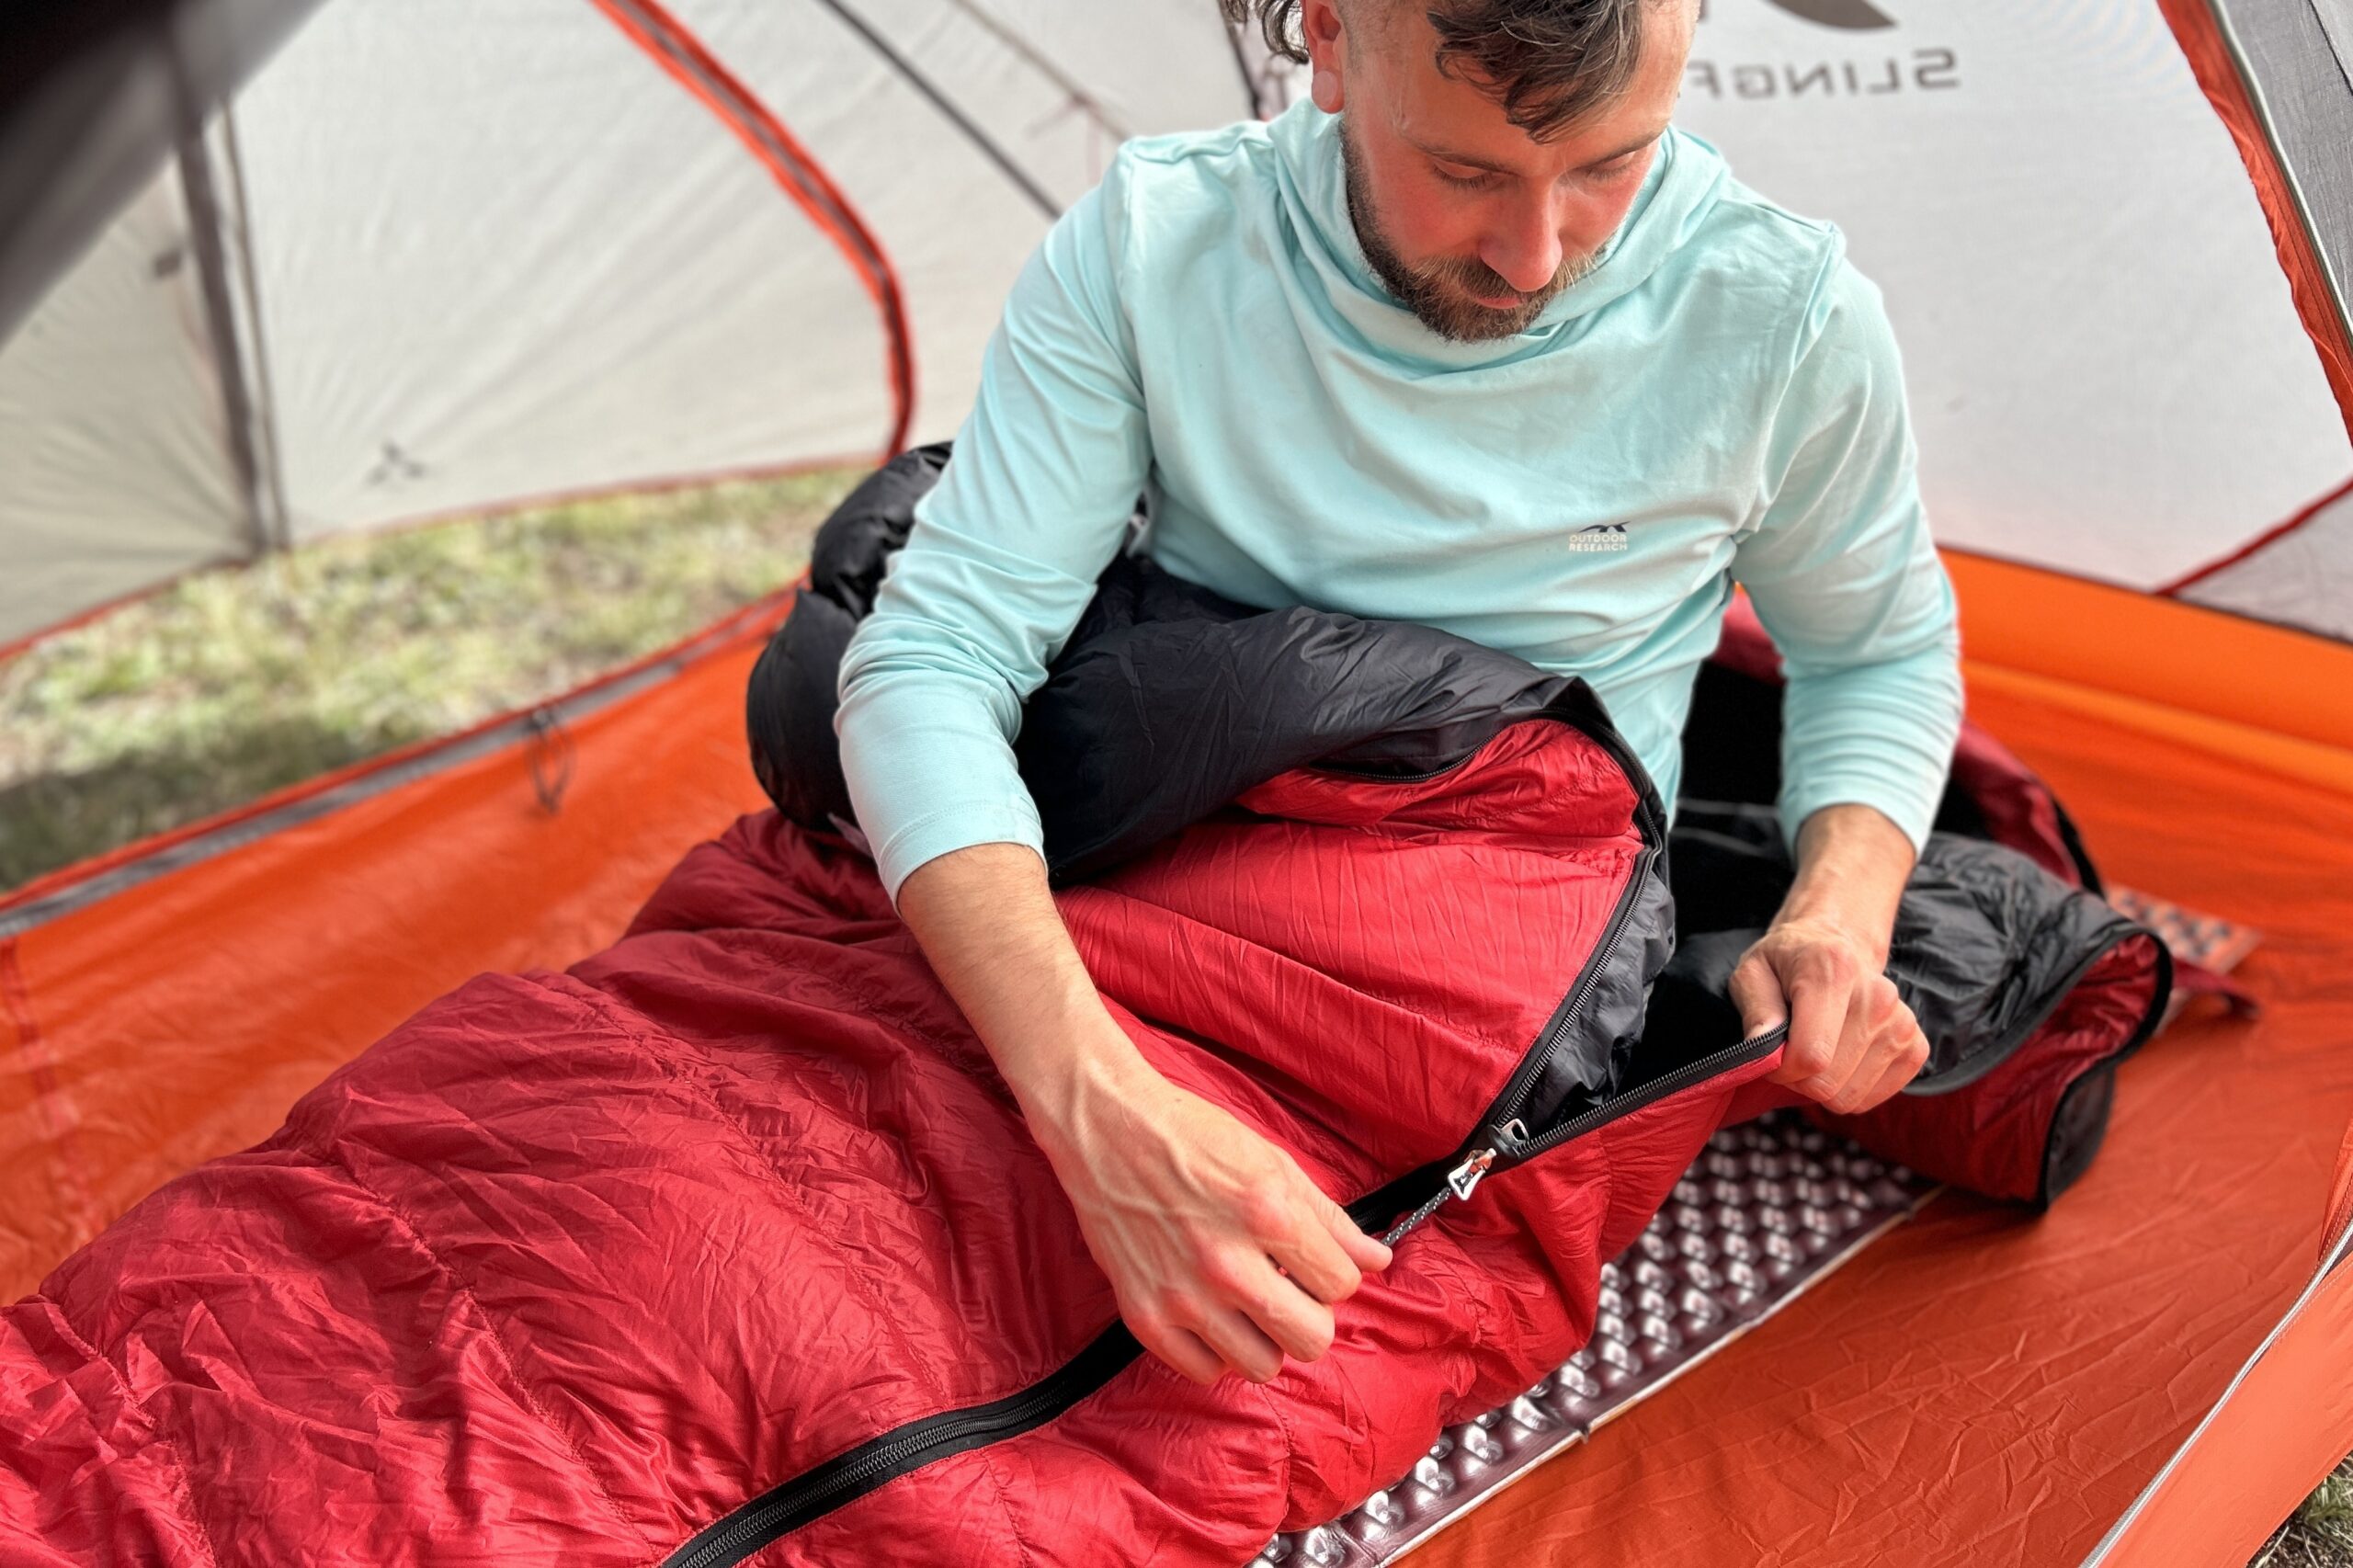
x=1326, y=32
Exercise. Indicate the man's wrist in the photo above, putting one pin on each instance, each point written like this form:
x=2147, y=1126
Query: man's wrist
x=1853, y=861
x=1075, y=1070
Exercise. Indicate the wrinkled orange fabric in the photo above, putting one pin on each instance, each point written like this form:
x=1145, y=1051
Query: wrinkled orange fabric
x=177, y=1021
x=1982, y=1386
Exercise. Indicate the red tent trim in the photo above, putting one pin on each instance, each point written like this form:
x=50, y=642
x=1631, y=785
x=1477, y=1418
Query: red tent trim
x=2263, y=540
x=683, y=56
x=2222, y=73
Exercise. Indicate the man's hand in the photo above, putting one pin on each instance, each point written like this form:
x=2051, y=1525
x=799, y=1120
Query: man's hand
x=1222, y=1254
x=1852, y=1043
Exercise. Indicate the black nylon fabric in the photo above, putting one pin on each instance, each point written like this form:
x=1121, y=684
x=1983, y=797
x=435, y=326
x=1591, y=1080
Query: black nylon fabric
x=1168, y=701
x=1972, y=910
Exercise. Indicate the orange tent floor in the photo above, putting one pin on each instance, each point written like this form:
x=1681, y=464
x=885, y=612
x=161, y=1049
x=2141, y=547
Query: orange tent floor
x=1984, y=1387
x=1979, y=1387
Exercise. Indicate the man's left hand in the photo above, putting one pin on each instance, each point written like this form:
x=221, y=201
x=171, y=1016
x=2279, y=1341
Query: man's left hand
x=1852, y=1040
x=1853, y=1043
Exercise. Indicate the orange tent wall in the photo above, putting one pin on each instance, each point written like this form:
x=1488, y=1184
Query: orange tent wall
x=178, y=1019
x=1977, y=1387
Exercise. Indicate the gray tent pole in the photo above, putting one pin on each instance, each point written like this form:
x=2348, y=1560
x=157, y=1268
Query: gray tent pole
x=221, y=324
x=939, y=100
x=208, y=248
x=265, y=397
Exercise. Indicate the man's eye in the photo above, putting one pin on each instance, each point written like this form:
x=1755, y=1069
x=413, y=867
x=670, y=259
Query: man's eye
x=1466, y=182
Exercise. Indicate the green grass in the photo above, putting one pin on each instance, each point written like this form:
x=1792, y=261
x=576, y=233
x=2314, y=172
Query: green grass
x=231, y=683
x=2321, y=1533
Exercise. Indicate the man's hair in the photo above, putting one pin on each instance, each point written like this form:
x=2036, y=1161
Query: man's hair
x=1547, y=62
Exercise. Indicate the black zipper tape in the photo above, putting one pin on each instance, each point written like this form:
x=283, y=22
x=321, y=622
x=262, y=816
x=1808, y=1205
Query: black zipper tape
x=856, y=1471
x=881, y=1460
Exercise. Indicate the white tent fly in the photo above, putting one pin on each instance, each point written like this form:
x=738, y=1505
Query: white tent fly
x=434, y=257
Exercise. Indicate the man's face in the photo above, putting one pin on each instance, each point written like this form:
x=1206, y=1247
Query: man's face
x=1470, y=222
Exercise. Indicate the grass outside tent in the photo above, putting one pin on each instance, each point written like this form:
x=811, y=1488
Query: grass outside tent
x=233, y=684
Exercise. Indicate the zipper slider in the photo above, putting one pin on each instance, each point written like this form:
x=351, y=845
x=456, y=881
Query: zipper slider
x=1463, y=1178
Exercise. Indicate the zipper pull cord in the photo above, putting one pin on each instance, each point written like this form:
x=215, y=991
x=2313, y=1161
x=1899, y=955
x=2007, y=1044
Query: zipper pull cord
x=1460, y=1182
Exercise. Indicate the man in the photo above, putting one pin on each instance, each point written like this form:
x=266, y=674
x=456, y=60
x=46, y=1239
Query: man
x=1475, y=339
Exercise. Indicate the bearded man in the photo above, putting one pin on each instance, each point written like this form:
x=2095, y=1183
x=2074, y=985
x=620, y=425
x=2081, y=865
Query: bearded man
x=1475, y=338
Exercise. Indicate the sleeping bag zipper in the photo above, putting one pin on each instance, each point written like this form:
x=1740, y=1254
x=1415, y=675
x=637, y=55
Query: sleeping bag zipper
x=864, y=1468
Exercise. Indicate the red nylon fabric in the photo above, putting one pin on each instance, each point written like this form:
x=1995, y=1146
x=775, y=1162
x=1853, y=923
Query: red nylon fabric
x=1989, y=1136
x=568, y=1267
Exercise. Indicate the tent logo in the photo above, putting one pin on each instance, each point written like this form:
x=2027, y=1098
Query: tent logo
x=1843, y=76
x=1854, y=15
x=1601, y=538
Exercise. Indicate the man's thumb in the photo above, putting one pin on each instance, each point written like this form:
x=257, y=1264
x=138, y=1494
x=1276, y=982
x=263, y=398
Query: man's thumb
x=1756, y=996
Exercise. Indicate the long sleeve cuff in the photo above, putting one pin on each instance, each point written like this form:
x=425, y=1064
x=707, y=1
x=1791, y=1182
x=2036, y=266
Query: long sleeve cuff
x=929, y=772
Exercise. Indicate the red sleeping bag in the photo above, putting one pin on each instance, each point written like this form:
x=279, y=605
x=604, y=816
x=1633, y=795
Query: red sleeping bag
x=729, y=1245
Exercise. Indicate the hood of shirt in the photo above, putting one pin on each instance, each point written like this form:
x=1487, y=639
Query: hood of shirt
x=1684, y=182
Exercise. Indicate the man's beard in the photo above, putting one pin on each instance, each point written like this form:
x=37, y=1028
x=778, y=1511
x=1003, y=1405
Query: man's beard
x=1439, y=292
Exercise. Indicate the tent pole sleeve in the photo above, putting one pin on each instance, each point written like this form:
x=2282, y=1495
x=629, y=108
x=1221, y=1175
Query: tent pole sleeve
x=2307, y=197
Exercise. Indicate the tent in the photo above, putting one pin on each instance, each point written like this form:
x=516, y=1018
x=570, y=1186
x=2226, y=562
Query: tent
x=271, y=270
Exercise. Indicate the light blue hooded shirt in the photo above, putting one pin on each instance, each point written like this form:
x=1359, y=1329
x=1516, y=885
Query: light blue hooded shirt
x=1718, y=401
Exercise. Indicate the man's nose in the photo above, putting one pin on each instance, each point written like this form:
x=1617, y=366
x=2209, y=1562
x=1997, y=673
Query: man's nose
x=1525, y=246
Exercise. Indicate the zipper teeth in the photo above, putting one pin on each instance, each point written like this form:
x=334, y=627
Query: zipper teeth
x=1375, y=776
x=1657, y=1089
x=1524, y=1078
x=732, y=1546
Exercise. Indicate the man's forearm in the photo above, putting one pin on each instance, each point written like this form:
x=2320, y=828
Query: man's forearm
x=986, y=920
x=1853, y=861
x=1220, y=1251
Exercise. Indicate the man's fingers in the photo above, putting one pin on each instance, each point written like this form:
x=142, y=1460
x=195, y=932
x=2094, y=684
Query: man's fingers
x=1180, y=1348
x=1756, y=993
x=1298, y=1324
x=1361, y=1252
x=1318, y=1266
x=1810, y=1058
x=1242, y=1343
x=1911, y=1053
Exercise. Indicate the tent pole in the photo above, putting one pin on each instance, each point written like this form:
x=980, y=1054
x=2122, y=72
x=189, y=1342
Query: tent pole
x=269, y=461
x=1037, y=60
x=219, y=320
x=956, y=116
x=201, y=199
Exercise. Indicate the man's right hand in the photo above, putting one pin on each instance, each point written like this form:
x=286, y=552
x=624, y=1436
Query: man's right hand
x=1221, y=1253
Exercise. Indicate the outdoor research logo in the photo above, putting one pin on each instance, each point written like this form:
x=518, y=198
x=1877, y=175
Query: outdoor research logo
x=1599, y=539
x=1925, y=70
